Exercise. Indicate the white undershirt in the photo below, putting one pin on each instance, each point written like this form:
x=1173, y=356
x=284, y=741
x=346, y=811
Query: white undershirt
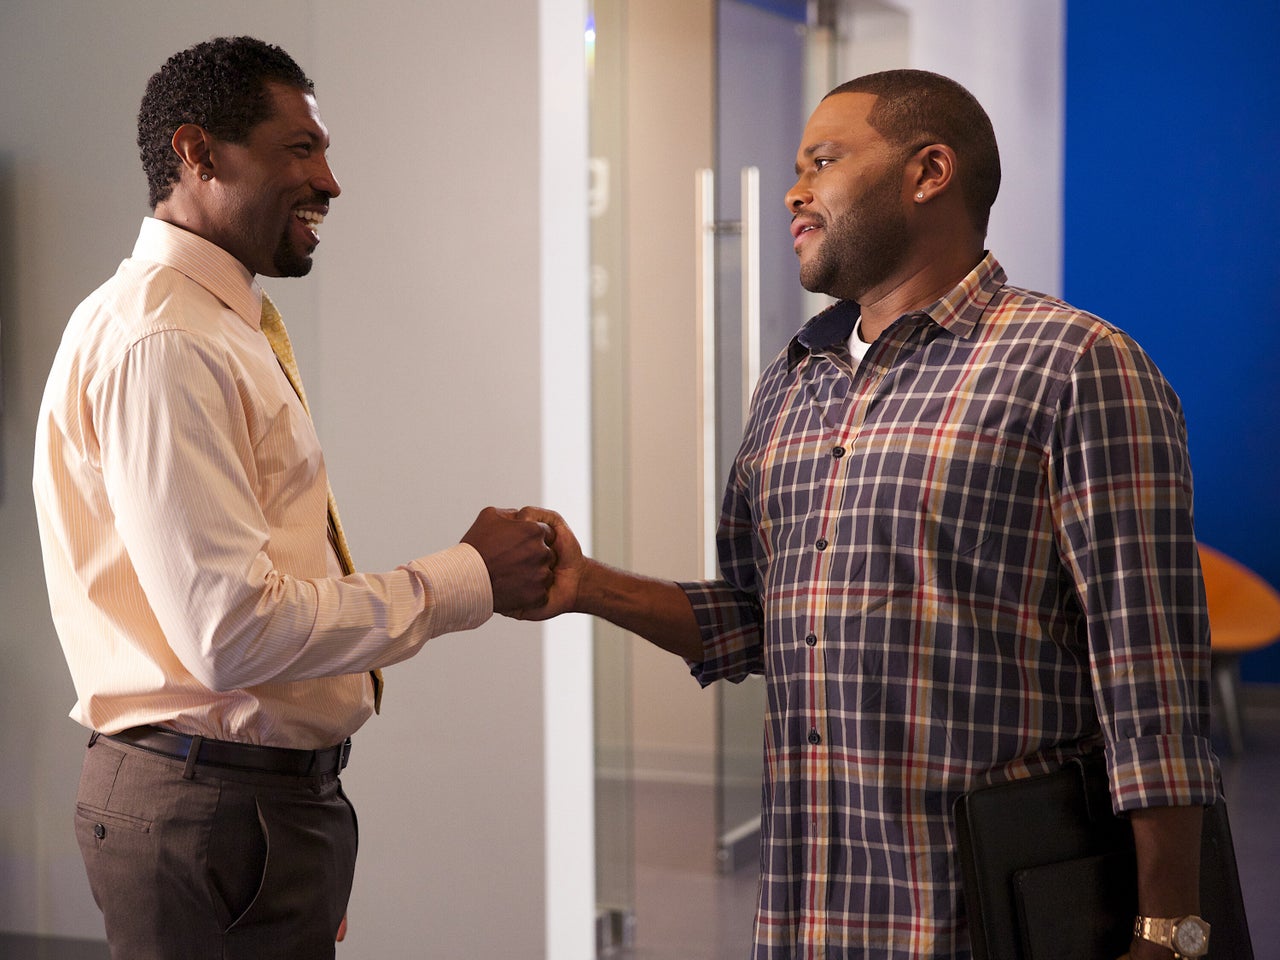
x=857, y=346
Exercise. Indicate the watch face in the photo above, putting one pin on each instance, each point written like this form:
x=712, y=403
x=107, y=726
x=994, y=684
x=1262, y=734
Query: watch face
x=1191, y=938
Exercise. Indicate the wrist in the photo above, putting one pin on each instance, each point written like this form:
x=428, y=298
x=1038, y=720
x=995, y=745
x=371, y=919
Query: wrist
x=591, y=588
x=1140, y=949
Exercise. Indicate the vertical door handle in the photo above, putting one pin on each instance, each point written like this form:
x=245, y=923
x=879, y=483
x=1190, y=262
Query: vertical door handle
x=706, y=227
x=750, y=250
x=705, y=273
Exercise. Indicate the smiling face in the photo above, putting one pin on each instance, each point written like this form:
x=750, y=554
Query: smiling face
x=849, y=202
x=273, y=190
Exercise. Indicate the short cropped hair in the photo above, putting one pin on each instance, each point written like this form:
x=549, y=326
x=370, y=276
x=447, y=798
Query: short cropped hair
x=915, y=107
x=220, y=85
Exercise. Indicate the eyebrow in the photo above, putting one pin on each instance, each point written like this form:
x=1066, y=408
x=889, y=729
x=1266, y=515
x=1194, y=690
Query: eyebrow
x=309, y=134
x=812, y=149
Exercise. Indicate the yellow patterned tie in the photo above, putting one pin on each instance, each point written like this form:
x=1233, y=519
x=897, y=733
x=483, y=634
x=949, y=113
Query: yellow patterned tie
x=278, y=337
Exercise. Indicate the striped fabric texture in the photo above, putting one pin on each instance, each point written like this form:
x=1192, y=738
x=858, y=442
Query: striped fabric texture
x=963, y=561
x=278, y=336
x=182, y=500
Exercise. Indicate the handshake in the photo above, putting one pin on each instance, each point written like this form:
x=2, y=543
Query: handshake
x=538, y=571
x=534, y=560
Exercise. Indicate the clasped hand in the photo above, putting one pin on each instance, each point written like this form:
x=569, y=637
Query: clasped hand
x=519, y=554
x=532, y=557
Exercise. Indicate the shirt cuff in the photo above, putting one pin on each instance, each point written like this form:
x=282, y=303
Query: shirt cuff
x=730, y=623
x=459, y=593
x=1162, y=771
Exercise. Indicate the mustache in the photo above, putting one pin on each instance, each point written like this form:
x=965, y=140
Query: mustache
x=815, y=218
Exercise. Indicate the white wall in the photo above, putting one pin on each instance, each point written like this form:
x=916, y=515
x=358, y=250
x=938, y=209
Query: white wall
x=423, y=333
x=1011, y=55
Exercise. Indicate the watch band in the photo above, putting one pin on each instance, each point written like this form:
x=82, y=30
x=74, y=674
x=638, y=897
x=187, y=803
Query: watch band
x=1173, y=932
x=1157, y=930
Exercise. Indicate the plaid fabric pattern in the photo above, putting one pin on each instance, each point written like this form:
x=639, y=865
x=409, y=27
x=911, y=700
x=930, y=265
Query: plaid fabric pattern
x=965, y=561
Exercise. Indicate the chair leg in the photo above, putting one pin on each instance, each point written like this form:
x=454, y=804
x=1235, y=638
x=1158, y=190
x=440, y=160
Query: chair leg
x=1226, y=673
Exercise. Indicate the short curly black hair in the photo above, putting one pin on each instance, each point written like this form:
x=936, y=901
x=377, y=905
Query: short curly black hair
x=220, y=85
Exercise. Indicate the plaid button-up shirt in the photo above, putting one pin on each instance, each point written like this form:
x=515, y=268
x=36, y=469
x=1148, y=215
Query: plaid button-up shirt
x=965, y=560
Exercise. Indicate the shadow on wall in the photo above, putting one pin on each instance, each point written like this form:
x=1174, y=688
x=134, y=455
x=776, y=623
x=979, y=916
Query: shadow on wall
x=8, y=284
x=8, y=287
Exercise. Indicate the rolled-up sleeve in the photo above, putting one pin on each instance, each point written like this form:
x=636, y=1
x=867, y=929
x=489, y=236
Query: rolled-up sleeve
x=1121, y=487
x=728, y=610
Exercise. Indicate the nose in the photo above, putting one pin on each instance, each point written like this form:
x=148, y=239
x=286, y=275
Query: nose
x=799, y=194
x=323, y=179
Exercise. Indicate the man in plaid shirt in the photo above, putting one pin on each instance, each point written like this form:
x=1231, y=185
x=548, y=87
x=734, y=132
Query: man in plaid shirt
x=957, y=541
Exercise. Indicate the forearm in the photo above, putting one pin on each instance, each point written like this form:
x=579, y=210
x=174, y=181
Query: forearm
x=657, y=610
x=1167, y=843
x=235, y=634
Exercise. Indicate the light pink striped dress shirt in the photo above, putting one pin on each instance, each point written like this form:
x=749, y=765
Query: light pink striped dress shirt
x=181, y=496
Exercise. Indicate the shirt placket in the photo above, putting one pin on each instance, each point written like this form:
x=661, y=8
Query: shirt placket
x=830, y=478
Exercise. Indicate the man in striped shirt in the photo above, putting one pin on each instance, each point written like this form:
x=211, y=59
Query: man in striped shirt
x=220, y=642
x=957, y=541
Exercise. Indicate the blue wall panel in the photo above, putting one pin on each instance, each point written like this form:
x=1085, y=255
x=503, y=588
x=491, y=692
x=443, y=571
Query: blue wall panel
x=1172, y=232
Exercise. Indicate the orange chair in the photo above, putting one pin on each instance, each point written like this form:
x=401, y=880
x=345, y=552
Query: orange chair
x=1244, y=615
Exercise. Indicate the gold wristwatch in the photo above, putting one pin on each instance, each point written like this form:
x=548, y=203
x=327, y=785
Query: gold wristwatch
x=1187, y=937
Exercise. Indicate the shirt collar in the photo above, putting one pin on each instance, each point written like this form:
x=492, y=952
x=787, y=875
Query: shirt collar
x=204, y=262
x=957, y=312
x=829, y=328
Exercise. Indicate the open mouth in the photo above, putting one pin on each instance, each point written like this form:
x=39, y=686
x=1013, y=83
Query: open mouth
x=311, y=220
x=800, y=229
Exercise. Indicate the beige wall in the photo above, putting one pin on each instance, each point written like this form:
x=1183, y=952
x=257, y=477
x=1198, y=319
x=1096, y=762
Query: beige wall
x=420, y=333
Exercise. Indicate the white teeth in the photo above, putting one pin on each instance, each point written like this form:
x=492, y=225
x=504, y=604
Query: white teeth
x=310, y=217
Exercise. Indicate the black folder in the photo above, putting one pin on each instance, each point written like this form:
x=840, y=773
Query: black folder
x=1049, y=871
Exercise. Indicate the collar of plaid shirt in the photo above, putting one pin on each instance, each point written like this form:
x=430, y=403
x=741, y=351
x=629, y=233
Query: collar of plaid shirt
x=957, y=312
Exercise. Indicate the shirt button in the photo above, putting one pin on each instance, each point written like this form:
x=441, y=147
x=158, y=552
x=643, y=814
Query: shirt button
x=838, y=452
x=811, y=639
x=821, y=544
x=815, y=737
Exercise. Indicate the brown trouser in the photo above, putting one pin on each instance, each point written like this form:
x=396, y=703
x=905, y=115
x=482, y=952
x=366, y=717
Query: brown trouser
x=222, y=866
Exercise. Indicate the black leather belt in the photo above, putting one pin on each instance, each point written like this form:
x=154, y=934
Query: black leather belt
x=196, y=750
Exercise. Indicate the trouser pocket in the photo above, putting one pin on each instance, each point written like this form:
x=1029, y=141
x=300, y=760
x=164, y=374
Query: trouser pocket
x=238, y=854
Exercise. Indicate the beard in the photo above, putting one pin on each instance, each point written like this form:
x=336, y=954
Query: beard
x=862, y=247
x=288, y=261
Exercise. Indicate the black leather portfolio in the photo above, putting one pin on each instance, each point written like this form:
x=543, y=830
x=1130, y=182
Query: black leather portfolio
x=1049, y=871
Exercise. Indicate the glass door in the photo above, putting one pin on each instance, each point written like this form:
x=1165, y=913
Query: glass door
x=761, y=59
x=771, y=55
x=614, y=806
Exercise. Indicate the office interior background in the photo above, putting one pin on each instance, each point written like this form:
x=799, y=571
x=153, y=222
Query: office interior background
x=502, y=312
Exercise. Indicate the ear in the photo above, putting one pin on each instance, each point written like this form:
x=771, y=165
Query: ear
x=194, y=145
x=932, y=170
